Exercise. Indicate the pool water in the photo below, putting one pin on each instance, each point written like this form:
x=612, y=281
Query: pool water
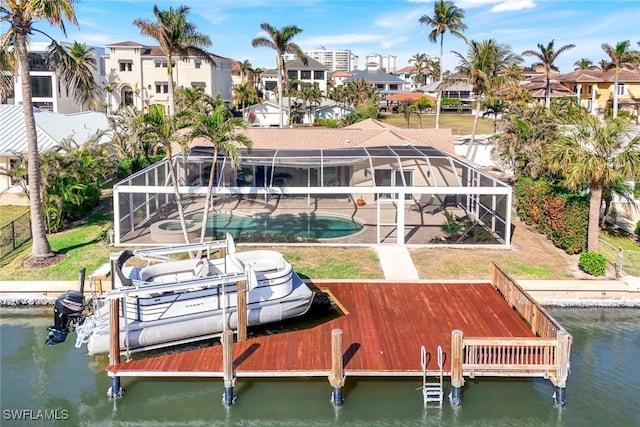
x=299, y=225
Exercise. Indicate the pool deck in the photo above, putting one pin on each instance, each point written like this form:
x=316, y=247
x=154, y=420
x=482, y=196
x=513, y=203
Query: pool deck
x=420, y=227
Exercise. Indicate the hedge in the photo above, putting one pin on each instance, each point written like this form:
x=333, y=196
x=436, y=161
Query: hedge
x=561, y=215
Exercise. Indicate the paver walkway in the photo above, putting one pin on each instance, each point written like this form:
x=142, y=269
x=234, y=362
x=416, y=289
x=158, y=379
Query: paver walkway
x=396, y=262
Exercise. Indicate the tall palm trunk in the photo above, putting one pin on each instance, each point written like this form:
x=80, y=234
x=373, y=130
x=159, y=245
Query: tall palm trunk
x=474, y=129
x=439, y=92
x=40, y=247
x=547, y=94
x=207, y=200
x=279, y=81
x=594, y=217
x=176, y=191
x=172, y=101
x=615, y=93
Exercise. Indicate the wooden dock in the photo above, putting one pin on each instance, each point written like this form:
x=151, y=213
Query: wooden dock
x=384, y=326
x=485, y=329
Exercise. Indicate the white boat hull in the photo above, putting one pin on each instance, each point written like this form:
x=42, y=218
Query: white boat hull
x=177, y=301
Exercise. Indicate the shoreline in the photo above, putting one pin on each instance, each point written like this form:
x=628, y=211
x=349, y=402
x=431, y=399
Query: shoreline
x=556, y=293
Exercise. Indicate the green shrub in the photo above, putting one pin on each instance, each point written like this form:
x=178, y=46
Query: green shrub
x=555, y=212
x=593, y=263
x=330, y=123
x=638, y=229
x=130, y=166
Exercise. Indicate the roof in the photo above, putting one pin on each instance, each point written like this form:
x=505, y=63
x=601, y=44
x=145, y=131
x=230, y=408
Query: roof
x=368, y=133
x=127, y=43
x=312, y=64
x=50, y=128
x=447, y=86
x=597, y=76
x=374, y=76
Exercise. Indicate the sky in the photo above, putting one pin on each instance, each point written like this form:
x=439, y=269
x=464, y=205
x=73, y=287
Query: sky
x=386, y=27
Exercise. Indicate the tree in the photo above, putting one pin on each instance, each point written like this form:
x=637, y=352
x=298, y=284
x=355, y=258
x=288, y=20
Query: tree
x=76, y=65
x=408, y=110
x=162, y=131
x=281, y=42
x=110, y=87
x=621, y=56
x=245, y=67
x=176, y=36
x=446, y=17
x=597, y=155
x=193, y=99
x=484, y=68
x=222, y=130
x=22, y=16
x=584, y=64
x=245, y=94
x=420, y=61
x=422, y=104
x=546, y=56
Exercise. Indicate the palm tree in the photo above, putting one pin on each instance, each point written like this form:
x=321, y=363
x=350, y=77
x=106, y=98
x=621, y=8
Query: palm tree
x=162, y=131
x=77, y=66
x=176, y=36
x=110, y=86
x=484, y=67
x=596, y=155
x=21, y=16
x=584, y=64
x=603, y=64
x=245, y=67
x=280, y=41
x=222, y=130
x=546, y=56
x=420, y=61
x=194, y=100
x=621, y=57
x=446, y=17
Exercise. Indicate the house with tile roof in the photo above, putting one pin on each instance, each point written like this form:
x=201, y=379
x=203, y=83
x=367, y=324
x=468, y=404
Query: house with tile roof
x=51, y=128
x=594, y=89
x=383, y=81
x=140, y=72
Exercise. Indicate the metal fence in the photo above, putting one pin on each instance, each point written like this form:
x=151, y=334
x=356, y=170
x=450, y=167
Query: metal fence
x=625, y=261
x=14, y=234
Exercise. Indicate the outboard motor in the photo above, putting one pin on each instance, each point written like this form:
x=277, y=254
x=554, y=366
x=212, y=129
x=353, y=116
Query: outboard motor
x=68, y=307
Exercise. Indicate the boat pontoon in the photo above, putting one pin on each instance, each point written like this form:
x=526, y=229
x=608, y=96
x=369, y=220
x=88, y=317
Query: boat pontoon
x=166, y=301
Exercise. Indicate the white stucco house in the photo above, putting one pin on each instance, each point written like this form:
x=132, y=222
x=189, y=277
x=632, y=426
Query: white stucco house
x=267, y=114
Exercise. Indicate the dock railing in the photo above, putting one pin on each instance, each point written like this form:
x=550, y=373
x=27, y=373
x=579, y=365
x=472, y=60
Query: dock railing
x=545, y=355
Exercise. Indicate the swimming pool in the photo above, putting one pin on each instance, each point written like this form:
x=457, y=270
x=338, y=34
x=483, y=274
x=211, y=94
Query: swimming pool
x=319, y=226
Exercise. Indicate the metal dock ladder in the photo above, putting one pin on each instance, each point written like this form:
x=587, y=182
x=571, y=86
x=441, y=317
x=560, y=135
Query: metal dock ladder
x=431, y=391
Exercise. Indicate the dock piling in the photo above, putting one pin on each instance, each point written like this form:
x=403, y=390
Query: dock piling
x=228, y=397
x=336, y=378
x=115, y=391
x=560, y=381
x=242, y=310
x=457, y=380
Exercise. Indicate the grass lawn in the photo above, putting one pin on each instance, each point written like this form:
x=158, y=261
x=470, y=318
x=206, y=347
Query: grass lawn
x=460, y=124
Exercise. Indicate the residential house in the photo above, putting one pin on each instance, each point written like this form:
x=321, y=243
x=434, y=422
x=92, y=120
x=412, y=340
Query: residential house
x=594, y=89
x=140, y=72
x=383, y=81
x=459, y=91
x=369, y=171
x=48, y=91
x=311, y=74
x=266, y=114
x=51, y=128
x=409, y=74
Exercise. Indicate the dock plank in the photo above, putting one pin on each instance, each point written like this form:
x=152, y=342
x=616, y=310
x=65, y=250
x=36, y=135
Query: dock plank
x=385, y=327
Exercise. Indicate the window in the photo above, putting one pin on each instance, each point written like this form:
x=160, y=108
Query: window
x=37, y=62
x=128, y=97
x=126, y=66
x=293, y=74
x=318, y=75
x=41, y=87
x=162, y=87
x=157, y=64
x=621, y=89
x=198, y=64
x=305, y=75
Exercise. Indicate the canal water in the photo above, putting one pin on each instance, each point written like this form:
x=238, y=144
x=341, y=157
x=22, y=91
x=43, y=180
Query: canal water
x=59, y=385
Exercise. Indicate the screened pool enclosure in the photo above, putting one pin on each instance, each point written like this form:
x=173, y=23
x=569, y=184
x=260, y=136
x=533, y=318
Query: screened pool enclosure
x=392, y=190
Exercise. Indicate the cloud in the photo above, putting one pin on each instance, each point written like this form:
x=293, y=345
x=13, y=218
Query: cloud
x=500, y=5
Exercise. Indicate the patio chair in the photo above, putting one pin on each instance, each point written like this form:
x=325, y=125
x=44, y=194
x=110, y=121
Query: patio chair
x=429, y=203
